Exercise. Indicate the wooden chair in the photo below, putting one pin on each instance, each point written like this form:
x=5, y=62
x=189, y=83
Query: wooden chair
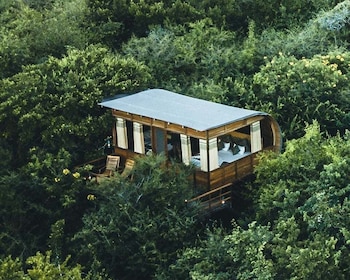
x=112, y=165
x=129, y=165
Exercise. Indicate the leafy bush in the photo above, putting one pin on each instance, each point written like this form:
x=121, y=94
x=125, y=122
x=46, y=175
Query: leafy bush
x=296, y=92
x=31, y=36
x=40, y=267
x=283, y=14
x=301, y=228
x=238, y=254
x=44, y=196
x=137, y=227
x=305, y=199
x=199, y=60
x=54, y=105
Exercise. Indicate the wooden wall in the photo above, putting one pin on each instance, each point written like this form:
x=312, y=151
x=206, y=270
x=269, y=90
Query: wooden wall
x=228, y=173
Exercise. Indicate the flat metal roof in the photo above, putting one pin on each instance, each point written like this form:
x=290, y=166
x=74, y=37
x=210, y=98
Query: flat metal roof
x=175, y=108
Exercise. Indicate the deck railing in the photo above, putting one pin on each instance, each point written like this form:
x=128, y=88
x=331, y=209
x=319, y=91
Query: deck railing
x=214, y=199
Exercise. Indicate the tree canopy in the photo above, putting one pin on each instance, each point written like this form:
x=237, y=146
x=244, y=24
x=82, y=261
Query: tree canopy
x=60, y=58
x=299, y=229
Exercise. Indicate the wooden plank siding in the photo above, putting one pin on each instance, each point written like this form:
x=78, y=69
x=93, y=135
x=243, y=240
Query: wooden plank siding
x=228, y=173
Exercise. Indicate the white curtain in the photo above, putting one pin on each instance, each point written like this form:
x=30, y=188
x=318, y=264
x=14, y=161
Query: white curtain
x=255, y=134
x=213, y=154
x=122, y=138
x=186, y=148
x=139, y=140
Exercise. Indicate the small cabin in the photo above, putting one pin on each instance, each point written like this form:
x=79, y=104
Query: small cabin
x=221, y=141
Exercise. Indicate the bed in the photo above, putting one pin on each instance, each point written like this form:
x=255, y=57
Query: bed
x=228, y=156
x=225, y=155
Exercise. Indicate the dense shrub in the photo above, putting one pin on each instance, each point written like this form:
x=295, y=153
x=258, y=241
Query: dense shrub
x=297, y=91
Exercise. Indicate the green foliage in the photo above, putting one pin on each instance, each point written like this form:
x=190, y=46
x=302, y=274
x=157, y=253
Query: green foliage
x=30, y=36
x=43, y=195
x=294, y=170
x=54, y=105
x=51, y=171
x=248, y=251
x=337, y=18
x=114, y=22
x=206, y=261
x=24, y=220
x=56, y=237
x=224, y=13
x=200, y=59
x=296, y=256
x=5, y=155
x=138, y=226
x=282, y=14
x=41, y=267
x=296, y=91
x=323, y=33
x=301, y=42
x=302, y=220
x=183, y=56
x=305, y=199
x=11, y=269
x=222, y=255
x=65, y=194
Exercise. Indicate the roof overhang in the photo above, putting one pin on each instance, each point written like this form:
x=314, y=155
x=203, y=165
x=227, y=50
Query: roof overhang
x=179, y=109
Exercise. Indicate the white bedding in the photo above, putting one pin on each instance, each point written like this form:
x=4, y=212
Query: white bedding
x=223, y=156
x=196, y=160
x=227, y=156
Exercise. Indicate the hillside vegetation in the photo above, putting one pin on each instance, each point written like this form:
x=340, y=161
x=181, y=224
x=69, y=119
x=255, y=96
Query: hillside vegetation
x=60, y=58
